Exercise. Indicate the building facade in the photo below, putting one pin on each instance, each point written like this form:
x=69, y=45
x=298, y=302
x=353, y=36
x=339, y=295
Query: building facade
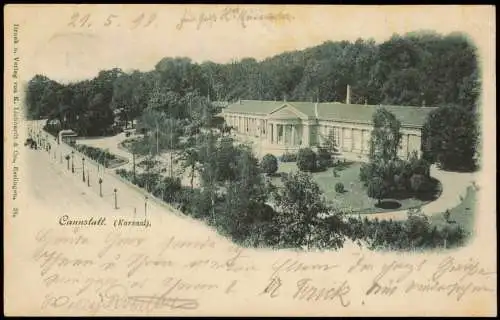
x=292, y=125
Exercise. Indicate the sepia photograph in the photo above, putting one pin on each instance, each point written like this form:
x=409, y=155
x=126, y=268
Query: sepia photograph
x=249, y=160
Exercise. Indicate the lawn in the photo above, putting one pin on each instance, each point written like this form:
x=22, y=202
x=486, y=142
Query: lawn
x=463, y=214
x=354, y=196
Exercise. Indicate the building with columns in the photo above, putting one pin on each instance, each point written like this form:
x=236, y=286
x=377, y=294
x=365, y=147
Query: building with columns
x=289, y=126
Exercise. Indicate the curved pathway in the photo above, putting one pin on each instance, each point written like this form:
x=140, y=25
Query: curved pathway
x=454, y=186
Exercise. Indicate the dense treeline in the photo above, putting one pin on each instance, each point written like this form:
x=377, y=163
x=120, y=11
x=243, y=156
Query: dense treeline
x=414, y=69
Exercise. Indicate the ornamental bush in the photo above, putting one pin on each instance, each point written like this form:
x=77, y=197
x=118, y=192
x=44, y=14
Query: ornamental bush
x=269, y=164
x=339, y=187
x=418, y=183
x=325, y=157
x=306, y=160
x=323, y=164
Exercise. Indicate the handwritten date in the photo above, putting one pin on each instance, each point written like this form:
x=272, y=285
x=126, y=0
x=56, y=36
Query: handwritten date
x=78, y=20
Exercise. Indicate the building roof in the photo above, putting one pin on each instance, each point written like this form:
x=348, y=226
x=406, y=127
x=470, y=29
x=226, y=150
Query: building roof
x=284, y=113
x=408, y=115
x=258, y=107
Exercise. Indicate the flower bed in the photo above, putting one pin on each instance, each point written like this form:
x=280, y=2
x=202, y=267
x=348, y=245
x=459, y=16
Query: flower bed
x=101, y=156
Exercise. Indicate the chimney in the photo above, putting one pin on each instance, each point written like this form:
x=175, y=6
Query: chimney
x=348, y=97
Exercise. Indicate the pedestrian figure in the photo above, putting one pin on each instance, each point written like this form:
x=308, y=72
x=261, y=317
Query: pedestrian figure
x=447, y=215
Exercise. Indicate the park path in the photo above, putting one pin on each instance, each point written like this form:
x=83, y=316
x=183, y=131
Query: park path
x=454, y=187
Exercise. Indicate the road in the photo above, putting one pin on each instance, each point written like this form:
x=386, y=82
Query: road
x=55, y=188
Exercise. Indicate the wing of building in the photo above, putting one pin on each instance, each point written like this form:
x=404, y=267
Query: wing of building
x=283, y=125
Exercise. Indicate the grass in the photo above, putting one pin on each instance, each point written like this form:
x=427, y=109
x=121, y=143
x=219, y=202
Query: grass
x=463, y=214
x=354, y=196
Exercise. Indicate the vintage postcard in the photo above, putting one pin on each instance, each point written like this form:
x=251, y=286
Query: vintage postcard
x=249, y=160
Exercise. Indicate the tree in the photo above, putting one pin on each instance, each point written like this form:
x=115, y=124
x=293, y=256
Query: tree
x=385, y=136
x=190, y=158
x=329, y=143
x=137, y=148
x=269, y=164
x=41, y=96
x=130, y=95
x=450, y=136
x=416, y=227
x=377, y=189
x=298, y=205
x=306, y=160
x=245, y=197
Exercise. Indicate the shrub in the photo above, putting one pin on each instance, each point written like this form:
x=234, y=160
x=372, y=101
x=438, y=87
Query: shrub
x=148, y=164
x=101, y=156
x=377, y=189
x=121, y=172
x=168, y=189
x=147, y=180
x=306, y=160
x=400, y=182
x=366, y=172
x=288, y=157
x=418, y=183
x=324, y=154
x=339, y=187
x=127, y=175
x=269, y=164
x=322, y=164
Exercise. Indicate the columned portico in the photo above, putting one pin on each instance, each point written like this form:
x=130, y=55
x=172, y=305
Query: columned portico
x=284, y=134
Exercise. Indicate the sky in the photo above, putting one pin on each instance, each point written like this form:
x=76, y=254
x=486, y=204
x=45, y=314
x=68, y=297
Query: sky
x=74, y=42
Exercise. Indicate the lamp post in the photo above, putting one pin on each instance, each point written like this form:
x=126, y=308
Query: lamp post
x=133, y=166
x=88, y=178
x=116, y=204
x=145, y=205
x=67, y=160
x=83, y=169
x=72, y=161
x=100, y=187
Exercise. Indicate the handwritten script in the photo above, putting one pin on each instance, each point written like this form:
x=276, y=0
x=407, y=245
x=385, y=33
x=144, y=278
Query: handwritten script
x=241, y=15
x=92, y=273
